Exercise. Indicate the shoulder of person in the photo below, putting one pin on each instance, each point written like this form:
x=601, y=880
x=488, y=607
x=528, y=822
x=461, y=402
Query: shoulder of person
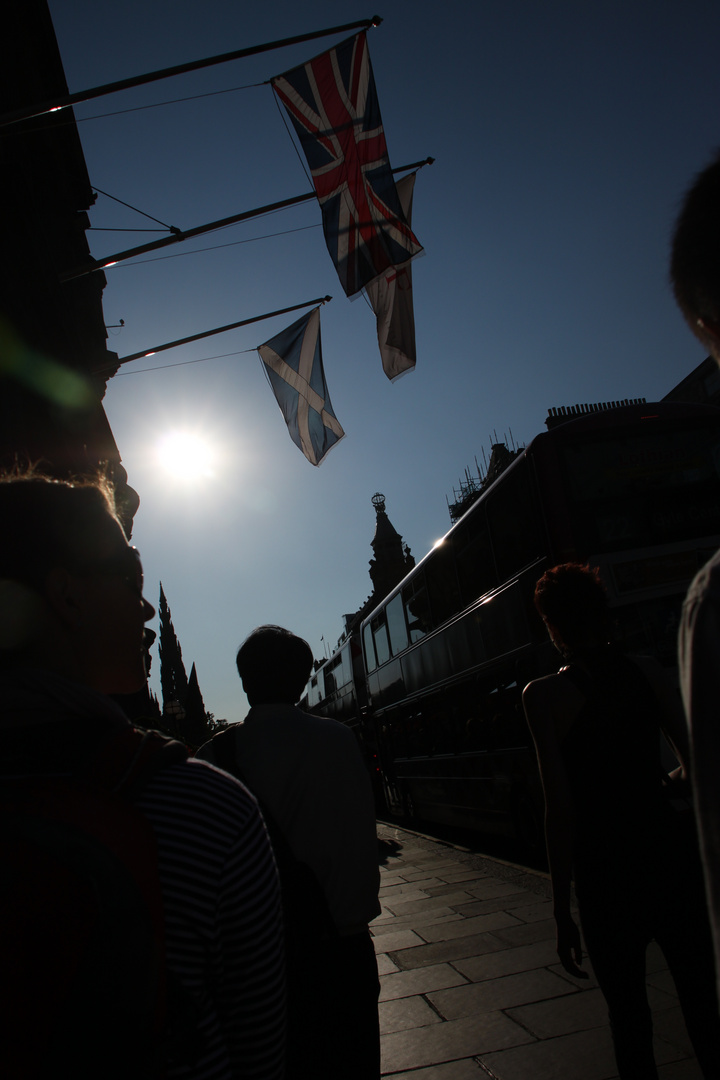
x=541, y=690
x=324, y=725
x=201, y=782
x=549, y=698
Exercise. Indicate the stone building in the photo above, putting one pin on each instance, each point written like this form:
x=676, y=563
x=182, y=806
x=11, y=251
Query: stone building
x=54, y=361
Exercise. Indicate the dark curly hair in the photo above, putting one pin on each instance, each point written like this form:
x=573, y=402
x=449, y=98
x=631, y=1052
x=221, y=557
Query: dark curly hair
x=572, y=598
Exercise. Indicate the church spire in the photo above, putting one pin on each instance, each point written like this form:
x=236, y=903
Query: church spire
x=173, y=676
x=392, y=558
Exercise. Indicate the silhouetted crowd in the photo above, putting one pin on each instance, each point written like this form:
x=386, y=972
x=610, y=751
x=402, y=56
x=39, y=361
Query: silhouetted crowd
x=207, y=918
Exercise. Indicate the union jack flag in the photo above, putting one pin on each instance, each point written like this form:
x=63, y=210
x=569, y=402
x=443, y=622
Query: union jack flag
x=333, y=105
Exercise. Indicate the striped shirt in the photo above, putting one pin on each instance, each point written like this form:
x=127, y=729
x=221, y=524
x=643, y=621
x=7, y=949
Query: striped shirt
x=220, y=893
x=222, y=918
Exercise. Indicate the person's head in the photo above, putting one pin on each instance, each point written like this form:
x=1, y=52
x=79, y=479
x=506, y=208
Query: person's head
x=572, y=601
x=695, y=258
x=70, y=585
x=274, y=665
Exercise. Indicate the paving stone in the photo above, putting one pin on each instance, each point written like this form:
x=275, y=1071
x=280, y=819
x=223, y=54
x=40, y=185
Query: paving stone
x=660, y=1000
x=431, y=866
x=441, y=951
x=402, y=1014
x=386, y=965
x=463, y=875
x=403, y=894
x=428, y=884
x=525, y=933
x=467, y=1069
x=662, y=980
x=492, y=888
x=410, y=906
x=451, y=886
x=507, y=962
x=503, y=993
x=536, y=912
x=677, y=1070
x=442, y=931
x=390, y=943
x=418, y=921
x=419, y=981
x=450, y=1041
x=462, y=917
x=582, y=984
x=483, y=907
x=562, y=1016
x=388, y=879
x=655, y=958
x=666, y=1053
x=586, y=1055
x=670, y=1028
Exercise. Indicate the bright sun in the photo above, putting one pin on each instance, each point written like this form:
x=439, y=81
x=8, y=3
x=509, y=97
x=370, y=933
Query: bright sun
x=186, y=456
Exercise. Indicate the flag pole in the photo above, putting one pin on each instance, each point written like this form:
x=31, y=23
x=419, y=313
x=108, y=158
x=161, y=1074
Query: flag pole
x=64, y=102
x=178, y=235
x=217, y=330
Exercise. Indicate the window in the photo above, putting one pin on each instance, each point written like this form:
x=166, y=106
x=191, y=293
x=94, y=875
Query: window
x=347, y=672
x=380, y=637
x=370, y=660
x=442, y=583
x=417, y=608
x=397, y=628
x=474, y=557
x=516, y=535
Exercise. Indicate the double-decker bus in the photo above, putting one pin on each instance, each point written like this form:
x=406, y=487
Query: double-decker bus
x=337, y=688
x=634, y=491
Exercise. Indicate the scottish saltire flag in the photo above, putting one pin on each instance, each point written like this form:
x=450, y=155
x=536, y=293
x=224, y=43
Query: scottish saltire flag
x=333, y=105
x=391, y=298
x=293, y=361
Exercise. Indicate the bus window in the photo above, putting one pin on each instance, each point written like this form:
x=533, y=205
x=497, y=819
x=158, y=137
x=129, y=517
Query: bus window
x=474, y=557
x=516, y=536
x=380, y=636
x=396, y=625
x=347, y=673
x=417, y=608
x=442, y=583
x=370, y=661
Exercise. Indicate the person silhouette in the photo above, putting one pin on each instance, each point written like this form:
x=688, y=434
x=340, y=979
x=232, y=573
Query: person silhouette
x=308, y=775
x=609, y=823
x=72, y=614
x=695, y=278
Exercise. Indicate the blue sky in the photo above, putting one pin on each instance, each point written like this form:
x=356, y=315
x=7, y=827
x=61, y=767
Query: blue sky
x=564, y=136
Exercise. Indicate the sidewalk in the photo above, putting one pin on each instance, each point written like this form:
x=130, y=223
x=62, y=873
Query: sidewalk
x=471, y=985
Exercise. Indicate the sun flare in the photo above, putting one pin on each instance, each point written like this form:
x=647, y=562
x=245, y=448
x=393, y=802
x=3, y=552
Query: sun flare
x=186, y=456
